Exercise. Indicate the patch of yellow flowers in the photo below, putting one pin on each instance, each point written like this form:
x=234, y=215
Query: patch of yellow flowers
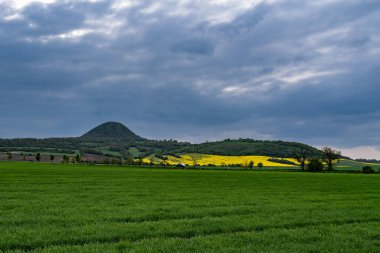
x=218, y=160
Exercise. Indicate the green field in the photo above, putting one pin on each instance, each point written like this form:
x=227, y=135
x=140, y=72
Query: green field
x=78, y=208
x=351, y=165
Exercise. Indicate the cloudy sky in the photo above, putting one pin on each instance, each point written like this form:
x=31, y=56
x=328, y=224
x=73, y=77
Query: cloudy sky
x=297, y=70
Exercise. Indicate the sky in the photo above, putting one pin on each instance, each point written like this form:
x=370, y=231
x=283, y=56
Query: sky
x=296, y=70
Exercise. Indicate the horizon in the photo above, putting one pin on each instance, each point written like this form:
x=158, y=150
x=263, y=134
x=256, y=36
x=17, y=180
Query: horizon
x=194, y=71
x=345, y=153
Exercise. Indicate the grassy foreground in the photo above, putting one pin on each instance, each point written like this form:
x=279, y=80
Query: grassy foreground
x=77, y=208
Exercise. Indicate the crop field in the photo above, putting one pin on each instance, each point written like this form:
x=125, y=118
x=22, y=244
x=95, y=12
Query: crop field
x=219, y=160
x=345, y=164
x=78, y=208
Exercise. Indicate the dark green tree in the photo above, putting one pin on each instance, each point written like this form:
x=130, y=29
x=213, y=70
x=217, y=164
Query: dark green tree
x=260, y=165
x=250, y=164
x=329, y=156
x=368, y=170
x=315, y=165
x=10, y=155
x=66, y=158
x=129, y=161
x=140, y=162
x=52, y=157
x=38, y=157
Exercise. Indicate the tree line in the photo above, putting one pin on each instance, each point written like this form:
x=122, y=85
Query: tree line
x=329, y=156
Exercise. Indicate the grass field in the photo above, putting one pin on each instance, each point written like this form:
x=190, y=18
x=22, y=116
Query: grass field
x=78, y=208
x=345, y=164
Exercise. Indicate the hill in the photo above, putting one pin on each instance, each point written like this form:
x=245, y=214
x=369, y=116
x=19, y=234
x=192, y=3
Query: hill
x=111, y=130
x=116, y=140
x=251, y=147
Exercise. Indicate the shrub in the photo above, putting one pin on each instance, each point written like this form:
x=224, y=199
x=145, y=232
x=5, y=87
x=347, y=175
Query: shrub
x=161, y=157
x=174, y=155
x=368, y=170
x=283, y=161
x=315, y=165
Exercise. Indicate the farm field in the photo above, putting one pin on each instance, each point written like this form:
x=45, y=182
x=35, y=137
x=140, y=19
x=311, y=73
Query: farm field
x=219, y=160
x=345, y=164
x=78, y=208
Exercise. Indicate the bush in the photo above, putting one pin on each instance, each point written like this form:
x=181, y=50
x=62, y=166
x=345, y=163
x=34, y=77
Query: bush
x=368, y=170
x=283, y=161
x=174, y=155
x=161, y=157
x=315, y=165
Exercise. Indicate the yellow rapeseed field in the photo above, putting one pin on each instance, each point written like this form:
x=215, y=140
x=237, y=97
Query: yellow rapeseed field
x=218, y=160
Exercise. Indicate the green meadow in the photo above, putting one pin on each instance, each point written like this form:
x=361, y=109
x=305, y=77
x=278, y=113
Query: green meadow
x=79, y=208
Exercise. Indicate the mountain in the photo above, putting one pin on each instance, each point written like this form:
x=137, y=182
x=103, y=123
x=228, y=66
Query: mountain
x=116, y=140
x=111, y=130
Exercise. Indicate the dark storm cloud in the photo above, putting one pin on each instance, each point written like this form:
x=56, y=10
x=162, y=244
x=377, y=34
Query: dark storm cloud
x=295, y=70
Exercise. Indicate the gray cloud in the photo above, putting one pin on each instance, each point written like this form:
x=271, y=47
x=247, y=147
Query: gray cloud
x=294, y=70
x=193, y=47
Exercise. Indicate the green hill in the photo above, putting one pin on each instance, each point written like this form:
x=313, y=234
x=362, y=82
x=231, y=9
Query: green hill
x=251, y=147
x=111, y=130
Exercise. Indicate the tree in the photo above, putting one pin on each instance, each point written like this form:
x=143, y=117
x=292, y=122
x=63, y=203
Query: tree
x=52, y=157
x=129, y=161
x=315, y=165
x=301, y=158
x=10, y=155
x=194, y=159
x=260, y=165
x=106, y=161
x=140, y=162
x=329, y=156
x=78, y=158
x=66, y=159
x=38, y=157
x=250, y=164
x=367, y=170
